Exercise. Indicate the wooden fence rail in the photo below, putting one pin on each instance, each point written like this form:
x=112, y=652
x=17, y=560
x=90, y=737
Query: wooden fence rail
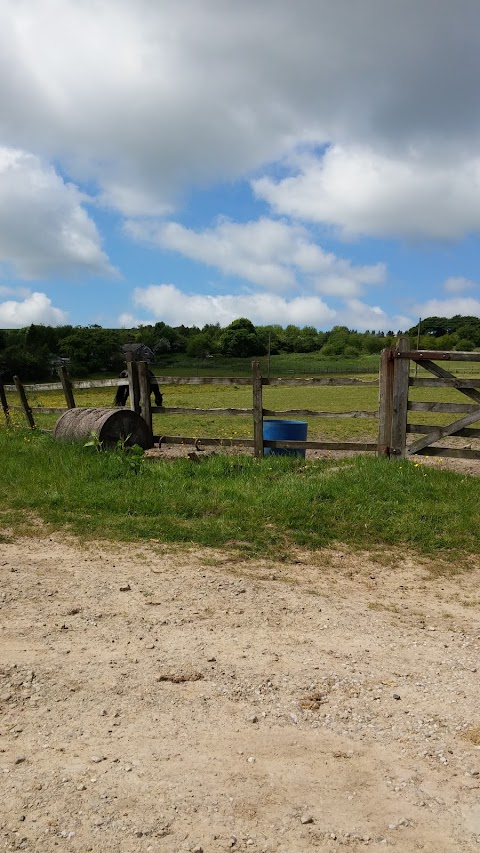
x=140, y=402
x=393, y=408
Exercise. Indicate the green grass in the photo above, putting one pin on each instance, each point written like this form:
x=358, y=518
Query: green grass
x=271, y=504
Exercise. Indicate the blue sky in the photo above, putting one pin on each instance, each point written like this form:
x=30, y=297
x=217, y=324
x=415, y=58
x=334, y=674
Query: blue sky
x=315, y=163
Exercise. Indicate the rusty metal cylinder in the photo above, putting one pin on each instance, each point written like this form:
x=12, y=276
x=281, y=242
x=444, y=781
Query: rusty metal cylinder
x=109, y=425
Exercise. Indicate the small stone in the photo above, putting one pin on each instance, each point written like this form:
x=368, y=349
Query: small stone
x=474, y=773
x=251, y=759
x=20, y=759
x=5, y=697
x=125, y=587
x=97, y=759
x=306, y=818
x=233, y=840
x=396, y=696
x=197, y=849
x=81, y=787
x=253, y=719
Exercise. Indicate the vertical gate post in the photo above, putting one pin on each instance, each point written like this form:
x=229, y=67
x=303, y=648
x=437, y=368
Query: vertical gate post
x=144, y=386
x=133, y=384
x=4, y=402
x=385, y=401
x=67, y=387
x=400, y=398
x=23, y=399
x=257, y=409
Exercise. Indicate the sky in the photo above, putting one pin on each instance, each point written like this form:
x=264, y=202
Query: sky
x=314, y=162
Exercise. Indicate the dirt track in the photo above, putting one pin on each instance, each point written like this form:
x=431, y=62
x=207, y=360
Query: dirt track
x=169, y=700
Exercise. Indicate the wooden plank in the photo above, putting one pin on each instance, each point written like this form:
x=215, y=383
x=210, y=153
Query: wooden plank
x=257, y=409
x=4, y=402
x=85, y=384
x=208, y=442
x=76, y=384
x=325, y=445
x=308, y=413
x=249, y=442
x=427, y=428
x=144, y=391
x=182, y=410
x=385, y=401
x=454, y=382
x=400, y=398
x=329, y=382
x=454, y=452
x=441, y=407
x=441, y=432
x=67, y=387
x=438, y=355
x=133, y=384
x=203, y=380
x=441, y=373
x=23, y=399
x=45, y=410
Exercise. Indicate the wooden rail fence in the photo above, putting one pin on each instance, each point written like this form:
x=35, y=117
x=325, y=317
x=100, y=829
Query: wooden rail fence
x=394, y=404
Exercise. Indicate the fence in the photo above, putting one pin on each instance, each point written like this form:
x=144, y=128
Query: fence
x=395, y=404
x=393, y=407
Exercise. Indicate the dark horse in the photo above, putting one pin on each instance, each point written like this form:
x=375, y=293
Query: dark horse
x=123, y=391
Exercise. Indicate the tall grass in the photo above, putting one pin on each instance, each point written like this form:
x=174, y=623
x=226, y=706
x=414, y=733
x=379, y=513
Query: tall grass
x=268, y=505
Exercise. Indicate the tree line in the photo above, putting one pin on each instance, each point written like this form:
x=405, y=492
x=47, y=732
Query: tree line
x=33, y=352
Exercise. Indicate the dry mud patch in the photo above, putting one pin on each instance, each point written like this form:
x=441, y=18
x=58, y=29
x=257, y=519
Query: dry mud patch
x=165, y=699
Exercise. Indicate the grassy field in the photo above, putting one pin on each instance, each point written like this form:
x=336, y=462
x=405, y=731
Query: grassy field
x=262, y=506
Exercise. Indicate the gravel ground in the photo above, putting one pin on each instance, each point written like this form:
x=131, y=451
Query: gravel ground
x=164, y=699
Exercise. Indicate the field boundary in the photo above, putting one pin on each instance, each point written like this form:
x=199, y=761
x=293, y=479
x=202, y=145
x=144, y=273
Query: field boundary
x=394, y=383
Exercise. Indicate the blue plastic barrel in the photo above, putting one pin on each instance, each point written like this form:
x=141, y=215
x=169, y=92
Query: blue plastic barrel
x=274, y=430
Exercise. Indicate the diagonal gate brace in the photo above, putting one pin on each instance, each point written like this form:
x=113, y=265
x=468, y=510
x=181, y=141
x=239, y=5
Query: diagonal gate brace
x=456, y=426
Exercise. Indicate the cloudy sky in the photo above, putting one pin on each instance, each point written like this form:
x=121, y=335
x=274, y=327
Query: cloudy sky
x=314, y=162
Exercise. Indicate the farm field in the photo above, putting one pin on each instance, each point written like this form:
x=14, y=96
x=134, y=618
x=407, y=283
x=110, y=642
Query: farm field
x=163, y=698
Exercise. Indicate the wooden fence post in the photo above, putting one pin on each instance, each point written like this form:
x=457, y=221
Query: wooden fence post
x=133, y=384
x=4, y=402
x=257, y=409
x=67, y=387
x=144, y=387
x=385, y=401
x=400, y=398
x=23, y=399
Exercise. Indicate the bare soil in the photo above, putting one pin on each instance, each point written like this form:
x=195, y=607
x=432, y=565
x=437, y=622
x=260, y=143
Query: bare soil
x=161, y=699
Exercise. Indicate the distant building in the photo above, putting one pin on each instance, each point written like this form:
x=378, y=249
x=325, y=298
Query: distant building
x=139, y=352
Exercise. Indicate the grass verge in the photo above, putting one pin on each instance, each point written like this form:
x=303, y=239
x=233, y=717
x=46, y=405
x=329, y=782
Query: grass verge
x=270, y=505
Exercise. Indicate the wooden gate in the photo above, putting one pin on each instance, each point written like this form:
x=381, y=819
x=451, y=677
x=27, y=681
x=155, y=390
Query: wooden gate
x=395, y=382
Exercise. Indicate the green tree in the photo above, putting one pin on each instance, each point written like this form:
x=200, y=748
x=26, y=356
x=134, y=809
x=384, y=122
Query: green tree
x=240, y=340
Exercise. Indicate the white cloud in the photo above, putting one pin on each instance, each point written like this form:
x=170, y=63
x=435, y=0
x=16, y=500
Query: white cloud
x=363, y=192
x=265, y=252
x=358, y=315
x=44, y=230
x=462, y=305
x=173, y=306
x=148, y=98
x=458, y=284
x=35, y=308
